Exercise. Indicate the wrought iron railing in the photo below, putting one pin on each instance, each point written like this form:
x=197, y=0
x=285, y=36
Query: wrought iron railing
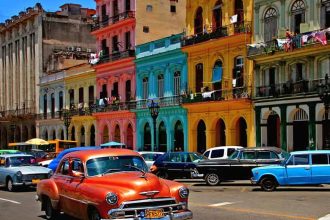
x=162, y=102
x=220, y=32
x=116, y=56
x=27, y=113
x=106, y=21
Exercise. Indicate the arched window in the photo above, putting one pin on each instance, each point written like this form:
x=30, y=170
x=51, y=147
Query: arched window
x=160, y=85
x=60, y=98
x=199, y=21
x=270, y=24
x=217, y=15
x=177, y=82
x=145, y=87
x=325, y=14
x=45, y=105
x=239, y=11
x=297, y=15
x=199, y=77
x=71, y=97
x=52, y=99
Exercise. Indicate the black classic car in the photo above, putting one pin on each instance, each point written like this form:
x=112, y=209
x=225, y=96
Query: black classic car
x=239, y=164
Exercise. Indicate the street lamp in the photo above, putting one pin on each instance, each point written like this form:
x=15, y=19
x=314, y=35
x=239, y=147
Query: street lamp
x=67, y=121
x=324, y=93
x=154, y=110
x=13, y=128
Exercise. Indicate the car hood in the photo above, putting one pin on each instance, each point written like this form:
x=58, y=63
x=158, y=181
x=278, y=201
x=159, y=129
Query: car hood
x=30, y=169
x=128, y=183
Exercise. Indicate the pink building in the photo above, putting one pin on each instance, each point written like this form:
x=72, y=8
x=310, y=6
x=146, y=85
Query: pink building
x=122, y=24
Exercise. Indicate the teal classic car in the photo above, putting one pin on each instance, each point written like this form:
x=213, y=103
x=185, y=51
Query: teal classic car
x=21, y=170
x=301, y=168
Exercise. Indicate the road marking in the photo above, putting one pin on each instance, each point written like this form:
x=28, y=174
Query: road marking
x=221, y=204
x=12, y=201
x=327, y=217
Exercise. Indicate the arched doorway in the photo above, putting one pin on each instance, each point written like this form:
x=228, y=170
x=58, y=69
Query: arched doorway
x=105, y=138
x=129, y=143
x=178, y=136
x=62, y=135
x=198, y=23
x=92, y=137
x=25, y=133
x=46, y=135
x=300, y=131
x=220, y=133
x=147, y=138
x=18, y=134
x=117, y=134
x=217, y=15
x=73, y=133
x=273, y=130
x=82, y=136
x=54, y=135
x=162, y=137
x=201, y=137
x=241, y=132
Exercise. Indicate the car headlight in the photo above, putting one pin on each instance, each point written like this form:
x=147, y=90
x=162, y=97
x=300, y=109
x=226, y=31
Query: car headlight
x=184, y=192
x=111, y=198
x=19, y=174
x=50, y=173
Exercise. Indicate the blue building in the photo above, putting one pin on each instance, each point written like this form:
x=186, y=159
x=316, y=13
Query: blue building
x=161, y=75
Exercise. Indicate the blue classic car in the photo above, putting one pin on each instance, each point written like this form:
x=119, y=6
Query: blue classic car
x=21, y=170
x=301, y=168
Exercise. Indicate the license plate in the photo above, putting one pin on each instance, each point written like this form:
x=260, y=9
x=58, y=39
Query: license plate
x=35, y=180
x=154, y=213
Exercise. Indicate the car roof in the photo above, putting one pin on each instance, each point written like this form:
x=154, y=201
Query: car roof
x=311, y=152
x=89, y=154
x=275, y=149
x=150, y=152
x=69, y=150
x=223, y=147
x=16, y=155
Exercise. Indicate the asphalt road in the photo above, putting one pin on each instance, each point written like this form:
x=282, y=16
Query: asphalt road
x=229, y=201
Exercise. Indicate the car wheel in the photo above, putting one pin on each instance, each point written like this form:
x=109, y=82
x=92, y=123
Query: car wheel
x=212, y=179
x=10, y=186
x=162, y=174
x=268, y=184
x=50, y=212
x=94, y=214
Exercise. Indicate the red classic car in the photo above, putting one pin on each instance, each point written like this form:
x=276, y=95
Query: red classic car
x=111, y=184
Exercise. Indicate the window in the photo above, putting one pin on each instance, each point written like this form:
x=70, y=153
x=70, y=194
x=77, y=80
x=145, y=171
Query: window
x=301, y=159
x=318, y=159
x=128, y=40
x=325, y=14
x=207, y=153
x=145, y=86
x=238, y=72
x=77, y=166
x=146, y=29
x=217, y=15
x=161, y=85
x=128, y=5
x=115, y=43
x=81, y=95
x=248, y=155
x=64, y=168
x=149, y=8
x=297, y=15
x=270, y=24
x=173, y=9
x=263, y=155
x=177, y=82
x=199, y=77
x=217, y=153
x=175, y=157
x=198, y=23
x=230, y=151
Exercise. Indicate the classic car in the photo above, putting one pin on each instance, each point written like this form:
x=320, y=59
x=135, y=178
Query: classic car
x=21, y=170
x=111, y=184
x=150, y=157
x=222, y=152
x=301, y=168
x=239, y=165
x=176, y=165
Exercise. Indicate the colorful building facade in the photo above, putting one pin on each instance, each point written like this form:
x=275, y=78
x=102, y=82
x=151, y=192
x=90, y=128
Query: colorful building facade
x=122, y=24
x=291, y=58
x=218, y=95
x=161, y=76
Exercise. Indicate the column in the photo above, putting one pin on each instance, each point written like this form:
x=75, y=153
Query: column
x=67, y=98
x=311, y=12
x=76, y=96
x=1, y=80
x=184, y=76
x=282, y=15
x=14, y=75
x=256, y=22
x=168, y=81
x=49, y=103
x=210, y=138
x=86, y=96
x=311, y=126
x=8, y=86
x=311, y=61
x=171, y=140
x=258, y=128
x=88, y=136
x=283, y=127
x=29, y=89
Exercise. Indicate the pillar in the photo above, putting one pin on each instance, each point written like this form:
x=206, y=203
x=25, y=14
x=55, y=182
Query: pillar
x=311, y=126
x=283, y=128
x=258, y=128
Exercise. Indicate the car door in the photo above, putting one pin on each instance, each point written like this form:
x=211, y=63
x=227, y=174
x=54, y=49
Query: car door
x=300, y=171
x=320, y=168
x=175, y=167
x=248, y=161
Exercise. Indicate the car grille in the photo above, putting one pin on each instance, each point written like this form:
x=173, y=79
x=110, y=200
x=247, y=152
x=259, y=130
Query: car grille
x=30, y=177
x=137, y=207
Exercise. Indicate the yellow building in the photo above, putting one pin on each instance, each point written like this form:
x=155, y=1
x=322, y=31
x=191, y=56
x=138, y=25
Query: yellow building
x=80, y=92
x=218, y=98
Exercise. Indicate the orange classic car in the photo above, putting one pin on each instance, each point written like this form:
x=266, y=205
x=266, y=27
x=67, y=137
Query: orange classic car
x=111, y=184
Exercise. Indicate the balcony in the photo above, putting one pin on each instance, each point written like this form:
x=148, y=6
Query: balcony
x=163, y=102
x=116, y=56
x=112, y=20
x=217, y=33
x=49, y=115
x=217, y=95
x=288, y=88
x=274, y=46
x=25, y=113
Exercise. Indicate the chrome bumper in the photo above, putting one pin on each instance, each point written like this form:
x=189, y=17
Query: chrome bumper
x=254, y=182
x=187, y=214
x=195, y=174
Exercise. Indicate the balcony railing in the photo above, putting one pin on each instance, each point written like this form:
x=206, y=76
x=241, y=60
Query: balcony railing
x=106, y=21
x=220, y=32
x=25, y=113
x=273, y=46
x=288, y=88
x=163, y=102
x=49, y=115
x=116, y=56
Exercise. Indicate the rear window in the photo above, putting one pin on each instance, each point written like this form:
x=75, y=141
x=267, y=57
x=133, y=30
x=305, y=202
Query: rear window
x=217, y=153
x=263, y=155
x=249, y=155
x=319, y=159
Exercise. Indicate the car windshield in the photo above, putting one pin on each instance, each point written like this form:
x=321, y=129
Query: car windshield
x=234, y=155
x=21, y=161
x=196, y=157
x=113, y=164
x=285, y=155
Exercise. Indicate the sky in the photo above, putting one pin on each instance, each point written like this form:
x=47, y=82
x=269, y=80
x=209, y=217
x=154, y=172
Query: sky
x=9, y=8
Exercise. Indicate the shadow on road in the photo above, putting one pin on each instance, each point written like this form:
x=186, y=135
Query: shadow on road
x=298, y=189
x=60, y=217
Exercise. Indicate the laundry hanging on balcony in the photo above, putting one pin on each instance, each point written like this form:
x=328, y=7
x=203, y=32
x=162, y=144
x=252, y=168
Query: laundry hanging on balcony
x=217, y=74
